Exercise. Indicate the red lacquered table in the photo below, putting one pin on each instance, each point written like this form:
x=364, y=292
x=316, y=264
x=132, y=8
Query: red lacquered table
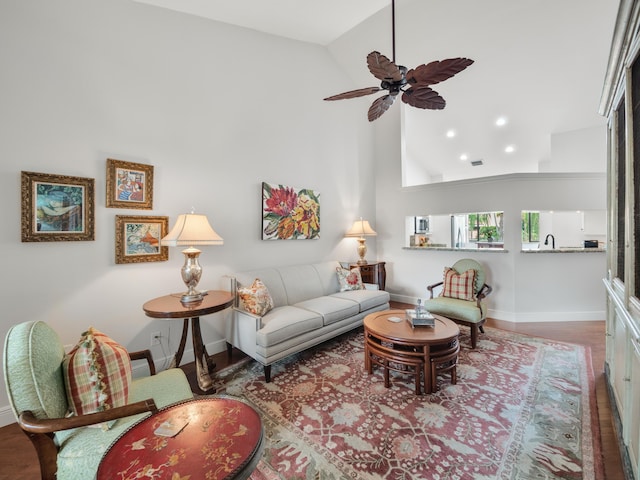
x=222, y=438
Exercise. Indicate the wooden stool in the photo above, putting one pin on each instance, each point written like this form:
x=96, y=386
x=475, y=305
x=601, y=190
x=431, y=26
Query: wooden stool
x=443, y=361
x=390, y=359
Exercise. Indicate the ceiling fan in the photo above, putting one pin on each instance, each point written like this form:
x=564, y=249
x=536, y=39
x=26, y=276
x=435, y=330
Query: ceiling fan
x=414, y=83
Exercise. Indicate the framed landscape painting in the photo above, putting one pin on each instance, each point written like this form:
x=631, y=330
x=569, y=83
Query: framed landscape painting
x=129, y=185
x=138, y=239
x=290, y=213
x=56, y=208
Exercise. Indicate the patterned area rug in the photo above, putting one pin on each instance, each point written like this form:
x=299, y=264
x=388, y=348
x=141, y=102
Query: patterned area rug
x=523, y=408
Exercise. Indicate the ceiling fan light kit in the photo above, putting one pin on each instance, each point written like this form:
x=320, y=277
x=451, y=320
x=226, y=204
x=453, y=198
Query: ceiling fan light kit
x=414, y=84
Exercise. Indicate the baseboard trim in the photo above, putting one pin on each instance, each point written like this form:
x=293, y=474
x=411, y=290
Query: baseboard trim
x=6, y=416
x=162, y=363
x=524, y=317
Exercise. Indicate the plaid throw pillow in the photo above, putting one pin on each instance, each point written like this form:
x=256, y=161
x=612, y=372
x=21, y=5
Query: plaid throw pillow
x=256, y=299
x=97, y=374
x=457, y=285
x=349, y=279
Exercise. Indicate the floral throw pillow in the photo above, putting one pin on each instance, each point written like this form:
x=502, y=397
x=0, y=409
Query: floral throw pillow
x=459, y=285
x=256, y=299
x=349, y=279
x=97, y=374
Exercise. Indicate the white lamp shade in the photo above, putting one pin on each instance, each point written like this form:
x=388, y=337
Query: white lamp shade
x=361, y=228
x=191, y=229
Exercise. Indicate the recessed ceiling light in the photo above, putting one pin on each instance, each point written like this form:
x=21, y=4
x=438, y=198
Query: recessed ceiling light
x=464, y=157
x=501, y=121
x=510, y=149
x=451, y=133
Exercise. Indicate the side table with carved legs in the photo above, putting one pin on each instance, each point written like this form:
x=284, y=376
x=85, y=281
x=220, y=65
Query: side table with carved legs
x=170, y=307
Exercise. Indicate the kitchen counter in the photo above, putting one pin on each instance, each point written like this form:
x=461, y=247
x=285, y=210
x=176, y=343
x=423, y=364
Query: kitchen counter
x=566, y=250
x=452, y=249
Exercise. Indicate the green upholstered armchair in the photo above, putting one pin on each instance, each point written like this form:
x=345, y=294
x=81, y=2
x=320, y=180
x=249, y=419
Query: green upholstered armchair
x=473, y=312
x=67, y=448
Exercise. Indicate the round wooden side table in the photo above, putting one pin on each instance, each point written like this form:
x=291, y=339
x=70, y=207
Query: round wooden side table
x=170, y=307
x=397, y=342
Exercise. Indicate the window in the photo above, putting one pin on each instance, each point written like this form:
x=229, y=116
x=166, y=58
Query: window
x=530, y=227
x=477, y=230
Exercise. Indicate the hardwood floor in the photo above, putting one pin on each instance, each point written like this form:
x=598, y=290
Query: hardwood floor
x=19, y=462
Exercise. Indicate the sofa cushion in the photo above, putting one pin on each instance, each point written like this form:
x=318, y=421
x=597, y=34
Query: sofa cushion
x=255, y=299
x=332, y=309
x=97, y=374
x=285, y=322
x=301, y=282
x=459, y=285
x=328, y=278
x=349, y=279
x=456, y=309
x=365, y=298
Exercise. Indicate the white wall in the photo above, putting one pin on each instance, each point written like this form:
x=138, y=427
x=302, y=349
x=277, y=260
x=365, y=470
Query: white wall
x=527, y=286
x=578, y=151
x=214, y=108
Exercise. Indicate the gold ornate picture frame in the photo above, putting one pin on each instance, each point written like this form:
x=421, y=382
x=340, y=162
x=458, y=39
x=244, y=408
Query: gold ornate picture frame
x=57, y=208
x=129, y=185
x=138, y=239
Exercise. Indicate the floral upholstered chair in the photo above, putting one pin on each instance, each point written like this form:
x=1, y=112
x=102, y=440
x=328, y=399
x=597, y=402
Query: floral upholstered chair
x=39, y=377
x=461, y=299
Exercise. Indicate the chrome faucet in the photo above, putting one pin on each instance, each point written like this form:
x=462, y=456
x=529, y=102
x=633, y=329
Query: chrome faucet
x=553, y=241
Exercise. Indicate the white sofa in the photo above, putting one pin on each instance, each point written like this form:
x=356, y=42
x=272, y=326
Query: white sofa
x=309, y=308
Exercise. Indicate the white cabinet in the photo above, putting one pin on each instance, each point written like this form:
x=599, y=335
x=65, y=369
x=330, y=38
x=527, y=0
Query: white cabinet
x=617, y=364
x=632, y=423
x=620, y=104
x=623, y=374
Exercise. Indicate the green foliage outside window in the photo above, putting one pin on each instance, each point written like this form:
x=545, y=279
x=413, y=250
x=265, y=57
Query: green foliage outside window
x=530, y=226
x=486, y=227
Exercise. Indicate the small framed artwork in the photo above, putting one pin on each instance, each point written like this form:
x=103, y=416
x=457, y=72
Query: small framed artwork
x=138, y=239
x=57, y=208
x=129, y=185
x=290, y=213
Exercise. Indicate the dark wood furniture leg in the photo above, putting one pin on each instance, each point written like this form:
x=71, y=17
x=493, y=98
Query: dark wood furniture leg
x=446, y=362
x=177, y=358
x=474, y=335
x=201, y=357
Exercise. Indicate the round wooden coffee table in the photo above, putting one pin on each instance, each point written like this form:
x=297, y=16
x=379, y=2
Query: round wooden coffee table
x=215, y=437
x=398, y=343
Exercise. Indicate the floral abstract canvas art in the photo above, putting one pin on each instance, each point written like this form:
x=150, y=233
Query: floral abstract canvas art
x=290, y=213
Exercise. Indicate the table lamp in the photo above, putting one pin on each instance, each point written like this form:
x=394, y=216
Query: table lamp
x=191, y=229
x=361, y=229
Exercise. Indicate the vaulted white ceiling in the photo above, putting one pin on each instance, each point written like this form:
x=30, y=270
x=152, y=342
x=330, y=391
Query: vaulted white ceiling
x=315, y=21
x=538, y=63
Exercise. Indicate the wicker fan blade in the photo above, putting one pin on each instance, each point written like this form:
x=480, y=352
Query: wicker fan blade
x=379, y=106
x=361, y=92
x=382, y=68
x=423, y=97
x=435, y=72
